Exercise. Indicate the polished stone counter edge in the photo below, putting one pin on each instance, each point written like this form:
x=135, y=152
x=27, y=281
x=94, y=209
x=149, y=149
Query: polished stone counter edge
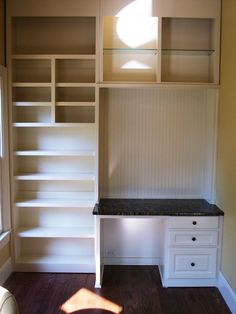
x=156, y=207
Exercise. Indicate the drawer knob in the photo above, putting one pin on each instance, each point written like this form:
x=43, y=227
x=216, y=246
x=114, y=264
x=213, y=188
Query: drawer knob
x=192, y=264
x=194, y=222
x=194, y=239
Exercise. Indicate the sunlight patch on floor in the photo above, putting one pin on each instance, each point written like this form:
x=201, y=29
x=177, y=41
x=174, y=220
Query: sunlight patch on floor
x=84, y=299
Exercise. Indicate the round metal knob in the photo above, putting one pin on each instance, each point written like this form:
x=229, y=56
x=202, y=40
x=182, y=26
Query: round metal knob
x=194, y=222
x=192, y=264
x=194, y=239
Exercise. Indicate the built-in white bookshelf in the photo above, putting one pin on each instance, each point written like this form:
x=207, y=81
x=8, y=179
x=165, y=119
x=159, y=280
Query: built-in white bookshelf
x=152, y=73
x=54, y=123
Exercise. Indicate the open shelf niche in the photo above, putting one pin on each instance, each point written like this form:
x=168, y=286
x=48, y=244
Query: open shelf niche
x=188, y=50
x=130, y=49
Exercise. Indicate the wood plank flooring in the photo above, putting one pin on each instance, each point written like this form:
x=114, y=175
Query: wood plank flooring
x=135, y=289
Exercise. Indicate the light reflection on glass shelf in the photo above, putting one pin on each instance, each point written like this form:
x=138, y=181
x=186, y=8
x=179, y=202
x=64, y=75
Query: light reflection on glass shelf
x=179, y=51
x=130, y=50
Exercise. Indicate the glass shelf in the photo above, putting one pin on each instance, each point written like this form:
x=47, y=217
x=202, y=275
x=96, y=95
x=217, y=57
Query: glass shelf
x=152, y=51
x=173, y=51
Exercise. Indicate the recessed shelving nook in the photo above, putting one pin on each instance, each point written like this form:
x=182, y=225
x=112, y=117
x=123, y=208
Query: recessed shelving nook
x=130, y=49
x=188, y=50
x=54, y=103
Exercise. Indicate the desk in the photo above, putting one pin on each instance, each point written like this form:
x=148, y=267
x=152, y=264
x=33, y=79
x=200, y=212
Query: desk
x=191, y=242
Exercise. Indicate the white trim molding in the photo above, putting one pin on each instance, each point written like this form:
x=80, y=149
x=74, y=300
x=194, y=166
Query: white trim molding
x=227, y=293
x=155, y=261
x=5, y=271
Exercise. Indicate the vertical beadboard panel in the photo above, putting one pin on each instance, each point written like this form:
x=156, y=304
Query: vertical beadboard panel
x=154, y=143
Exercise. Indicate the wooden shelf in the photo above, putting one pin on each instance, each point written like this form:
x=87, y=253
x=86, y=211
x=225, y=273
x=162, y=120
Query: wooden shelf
x=75, y=103
x=79, y=153
x=30, y=84
x=50, y=125
x=56, y=263
x=32, y=104
x=56, y=177
x=55, y=232
x=55, y=203
x=75, y=84
x=54, y=56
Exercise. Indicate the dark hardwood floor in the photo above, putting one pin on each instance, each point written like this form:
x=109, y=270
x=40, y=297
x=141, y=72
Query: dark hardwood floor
x=137, y=289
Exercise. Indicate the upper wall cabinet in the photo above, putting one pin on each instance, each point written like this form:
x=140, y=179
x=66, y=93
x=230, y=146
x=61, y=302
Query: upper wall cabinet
x=160, y=41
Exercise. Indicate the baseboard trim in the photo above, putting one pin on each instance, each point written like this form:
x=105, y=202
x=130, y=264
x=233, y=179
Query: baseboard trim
x=5, y=271
x=227, y=293
x=130, y=261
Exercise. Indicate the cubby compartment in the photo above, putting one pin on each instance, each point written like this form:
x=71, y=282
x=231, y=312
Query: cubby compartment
x=31, y=70
x=127, y=65
x=75, y=70
x=55, y=254
x=32, y=114
x=57, y=187
x=188, y=50
x=54, y=35
x=65, y=140
x=80, y=114
x=75, y=94
x=54, y=164
x=45, y=217
x=31, y=95
x=130, y=49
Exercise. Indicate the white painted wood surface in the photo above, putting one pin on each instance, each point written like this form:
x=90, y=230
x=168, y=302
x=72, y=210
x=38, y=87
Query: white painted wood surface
x=155, y=143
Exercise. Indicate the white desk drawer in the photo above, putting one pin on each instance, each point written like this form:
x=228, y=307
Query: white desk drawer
x=192, y=263
x=194, y=239
x=194, y=222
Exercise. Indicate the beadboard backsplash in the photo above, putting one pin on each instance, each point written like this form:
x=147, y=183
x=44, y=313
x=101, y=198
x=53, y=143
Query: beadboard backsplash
x=157, y=143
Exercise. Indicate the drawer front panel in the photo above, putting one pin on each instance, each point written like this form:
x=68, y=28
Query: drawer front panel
x=194, y=222
x=194, y=239
x=192, y=263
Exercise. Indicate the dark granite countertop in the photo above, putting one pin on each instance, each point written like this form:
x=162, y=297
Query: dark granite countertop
x=156, y=207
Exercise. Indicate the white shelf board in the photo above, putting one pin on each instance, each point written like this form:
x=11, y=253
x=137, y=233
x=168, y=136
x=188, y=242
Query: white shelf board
x=157, y=85
x=32, y=104
x=54, y=56
x=79, y=153
x=30, y=84
x=50, y=125
x=75, y=84
x=56, y=259
x=57, y=176
x=56, y=263
x=75, y=103
x=56, y=232
x=37, y=202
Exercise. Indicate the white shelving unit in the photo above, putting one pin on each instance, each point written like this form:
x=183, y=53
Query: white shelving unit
x=54, y=106
x=174, y=44
x=154, y=80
